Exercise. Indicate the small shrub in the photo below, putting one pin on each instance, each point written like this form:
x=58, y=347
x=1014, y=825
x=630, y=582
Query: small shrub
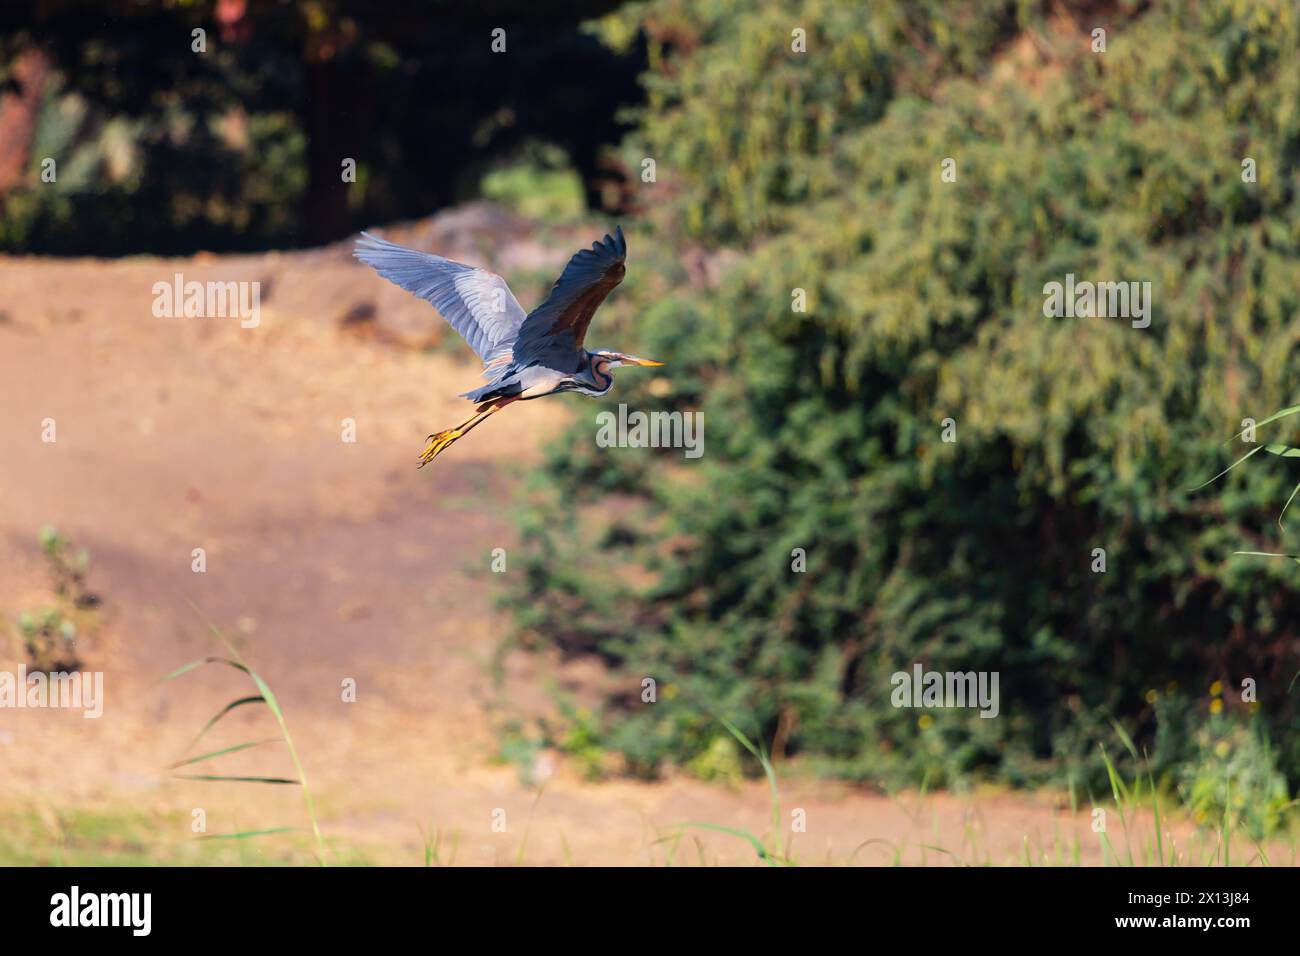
x=1233, y=775
x=49, y=634
x=49, y=638
x=68, y=568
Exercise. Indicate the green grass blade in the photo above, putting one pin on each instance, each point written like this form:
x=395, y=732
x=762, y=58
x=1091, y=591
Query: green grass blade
x=242, y=701
x=1253, y=451
x=186, y=668
x=215, y=776
x=1117, y=788
x=1282, y=513
x=194, y=665
x=768, y=770
x=244, y=835
x=1272, y=418
x=274, y=704
x=1269, y=554
x=745, y=835
x=1260, y=849
x=224, y=750
x=1125, y=739
x=1227, y=827
x=939, y=849
x=1155, y=799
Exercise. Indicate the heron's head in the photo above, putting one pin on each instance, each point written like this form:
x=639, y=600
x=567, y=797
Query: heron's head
x=605, y=359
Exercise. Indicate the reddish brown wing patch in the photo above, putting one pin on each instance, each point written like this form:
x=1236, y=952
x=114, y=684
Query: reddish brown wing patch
x=577, y=317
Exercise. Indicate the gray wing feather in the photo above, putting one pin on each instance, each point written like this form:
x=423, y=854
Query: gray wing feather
x=476, y=303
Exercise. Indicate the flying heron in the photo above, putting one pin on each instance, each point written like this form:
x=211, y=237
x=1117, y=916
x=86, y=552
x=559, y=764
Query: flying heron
x=524, y=356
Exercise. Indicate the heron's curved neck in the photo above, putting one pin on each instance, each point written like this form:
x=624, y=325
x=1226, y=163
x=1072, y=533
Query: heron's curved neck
x=604, y=381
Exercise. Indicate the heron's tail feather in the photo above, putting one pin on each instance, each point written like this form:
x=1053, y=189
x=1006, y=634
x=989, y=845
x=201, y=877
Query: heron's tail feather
x=497, y=388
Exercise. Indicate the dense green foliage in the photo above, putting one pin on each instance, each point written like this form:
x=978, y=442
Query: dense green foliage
x=822, y=172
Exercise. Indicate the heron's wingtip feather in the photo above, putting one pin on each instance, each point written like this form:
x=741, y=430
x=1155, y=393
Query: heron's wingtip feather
x=368, y=243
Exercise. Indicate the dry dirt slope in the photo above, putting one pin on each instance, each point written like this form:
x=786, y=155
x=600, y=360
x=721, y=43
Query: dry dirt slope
x=327, y=560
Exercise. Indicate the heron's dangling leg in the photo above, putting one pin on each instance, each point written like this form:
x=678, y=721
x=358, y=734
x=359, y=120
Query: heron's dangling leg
x=440, y=442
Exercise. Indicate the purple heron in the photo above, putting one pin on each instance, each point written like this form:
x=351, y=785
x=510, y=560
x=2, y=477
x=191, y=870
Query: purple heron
x=524, y=356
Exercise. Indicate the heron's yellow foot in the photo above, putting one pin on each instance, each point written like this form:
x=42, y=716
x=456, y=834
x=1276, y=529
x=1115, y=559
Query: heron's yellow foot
x=438, y=444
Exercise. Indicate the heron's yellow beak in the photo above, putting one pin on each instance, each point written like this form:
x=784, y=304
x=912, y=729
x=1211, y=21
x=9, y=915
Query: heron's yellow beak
x=649, y=363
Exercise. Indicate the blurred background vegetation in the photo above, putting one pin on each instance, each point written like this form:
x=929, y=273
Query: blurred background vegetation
x=163, y=149
x=820, y=171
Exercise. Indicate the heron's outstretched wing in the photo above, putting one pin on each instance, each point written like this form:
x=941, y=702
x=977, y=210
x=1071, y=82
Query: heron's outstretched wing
x=476, y=303
x=555, y=330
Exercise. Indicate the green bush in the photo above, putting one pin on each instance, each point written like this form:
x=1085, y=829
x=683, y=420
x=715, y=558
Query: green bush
x=1234, y=775
x=925, y=302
